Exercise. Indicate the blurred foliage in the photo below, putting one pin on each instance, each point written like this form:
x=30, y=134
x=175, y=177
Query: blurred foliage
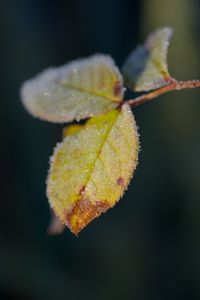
x=148, y=246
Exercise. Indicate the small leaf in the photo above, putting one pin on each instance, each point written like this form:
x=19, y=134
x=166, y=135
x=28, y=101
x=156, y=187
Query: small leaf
x=77, y=90
x=146, y=67
x=69, y=130
x=91, y=168
x=55, y=226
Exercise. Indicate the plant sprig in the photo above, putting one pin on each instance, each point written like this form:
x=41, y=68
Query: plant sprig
x=91, y=168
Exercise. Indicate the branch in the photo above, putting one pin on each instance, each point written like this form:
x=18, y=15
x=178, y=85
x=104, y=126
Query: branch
x=175, y=85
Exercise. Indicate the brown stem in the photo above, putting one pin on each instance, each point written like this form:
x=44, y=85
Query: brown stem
x=176, y=85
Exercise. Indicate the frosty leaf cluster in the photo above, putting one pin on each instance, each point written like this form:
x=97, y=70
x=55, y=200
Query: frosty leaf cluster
x=93, y=164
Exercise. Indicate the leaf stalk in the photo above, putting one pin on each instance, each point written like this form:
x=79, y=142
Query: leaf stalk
x=175, y=85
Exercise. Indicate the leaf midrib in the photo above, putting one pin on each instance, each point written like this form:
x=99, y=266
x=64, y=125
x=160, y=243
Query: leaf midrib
x=98, y=152
x=92, y=93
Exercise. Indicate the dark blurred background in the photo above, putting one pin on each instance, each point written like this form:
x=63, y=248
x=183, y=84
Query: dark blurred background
x=148, y=246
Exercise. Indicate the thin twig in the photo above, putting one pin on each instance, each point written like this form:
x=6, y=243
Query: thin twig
x=177, y=85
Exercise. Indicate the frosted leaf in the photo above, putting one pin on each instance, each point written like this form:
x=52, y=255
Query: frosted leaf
x=92, y=167
x=77, y=90
x=146, y=67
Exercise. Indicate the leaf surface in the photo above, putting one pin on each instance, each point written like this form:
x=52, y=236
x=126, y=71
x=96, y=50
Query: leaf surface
x=92, y=167
x=146, y=67
x=77, y=90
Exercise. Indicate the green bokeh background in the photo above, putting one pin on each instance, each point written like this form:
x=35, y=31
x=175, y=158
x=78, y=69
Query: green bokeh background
x=148, y=246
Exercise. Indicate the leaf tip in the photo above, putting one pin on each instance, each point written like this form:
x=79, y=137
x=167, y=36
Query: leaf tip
x=83, y=212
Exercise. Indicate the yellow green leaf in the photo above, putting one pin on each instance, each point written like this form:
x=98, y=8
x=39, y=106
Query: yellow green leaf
x=69, y=130
x=92, y=167
x=77, y=90
x=146, y=67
